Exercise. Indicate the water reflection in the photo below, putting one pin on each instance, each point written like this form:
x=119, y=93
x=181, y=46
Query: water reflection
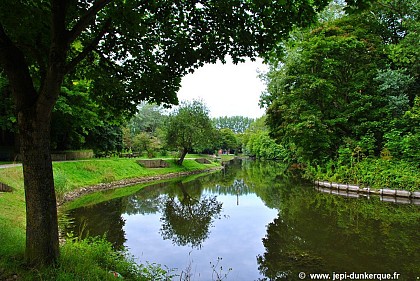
x=146, y=202
x=186, y=220
x=265, y=225
x=317, y=233
x=100, y=220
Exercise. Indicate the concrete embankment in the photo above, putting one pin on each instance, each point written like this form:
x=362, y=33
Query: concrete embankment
x=5, y=188
x=387, y=195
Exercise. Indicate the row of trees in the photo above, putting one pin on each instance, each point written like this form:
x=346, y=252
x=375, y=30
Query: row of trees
x=188, y=128
x=349, y=86
x=80, y=123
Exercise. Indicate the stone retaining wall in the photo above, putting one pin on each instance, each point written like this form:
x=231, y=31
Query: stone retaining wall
x=202, y=161
x=153, y=163
x=5, y=188
x=388, y=195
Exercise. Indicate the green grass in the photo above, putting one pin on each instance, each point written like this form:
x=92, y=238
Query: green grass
x=98, y=197
x=12, y=214
x=72, y=175
x=68, y=176
x=223, y=157
x=91, y=259
x=12, y=220
x=226, y=157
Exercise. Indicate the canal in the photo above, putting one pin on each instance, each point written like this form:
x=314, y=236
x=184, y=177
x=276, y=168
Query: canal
x=253, y=222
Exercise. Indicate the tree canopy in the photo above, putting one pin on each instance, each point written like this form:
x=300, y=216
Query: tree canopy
x=340, y=86
x=138, y=50
x=189, y=128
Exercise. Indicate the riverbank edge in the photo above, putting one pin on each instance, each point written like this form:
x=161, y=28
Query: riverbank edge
x=368, y=190
x=74, y=194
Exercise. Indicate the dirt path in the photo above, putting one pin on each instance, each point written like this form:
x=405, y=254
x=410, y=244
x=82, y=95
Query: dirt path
x=4, y=166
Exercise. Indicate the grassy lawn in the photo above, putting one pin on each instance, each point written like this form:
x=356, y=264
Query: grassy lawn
x=68, y=176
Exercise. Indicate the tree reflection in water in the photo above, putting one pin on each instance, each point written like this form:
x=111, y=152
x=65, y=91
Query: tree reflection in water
x=187, y=221
x=88, y=221
x=323, y=233
x=285, y=256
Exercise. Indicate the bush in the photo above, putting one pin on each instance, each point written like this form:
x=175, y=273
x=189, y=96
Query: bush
x=261, y=145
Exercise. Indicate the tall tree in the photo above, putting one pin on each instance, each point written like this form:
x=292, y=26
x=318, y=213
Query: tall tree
x=132, y=50
x=339, y=85
x=323, y=92
x=148, y=118
x=228, y=140
x=189, y=128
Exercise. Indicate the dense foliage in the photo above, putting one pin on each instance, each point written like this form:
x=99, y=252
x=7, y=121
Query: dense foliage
x=144, y=131
x=228, y=141
x=257, y=142
x=348, y=88
x=7, y=116
x=79, y=121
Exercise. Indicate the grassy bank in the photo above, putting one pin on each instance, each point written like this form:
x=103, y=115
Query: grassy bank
x=370, y=172
x=69, y=176
x=72, y=175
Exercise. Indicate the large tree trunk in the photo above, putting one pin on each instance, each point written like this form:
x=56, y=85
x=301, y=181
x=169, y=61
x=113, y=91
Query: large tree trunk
x=42, y=246
x=183, y=152
x=34, y=109
x=34, y=106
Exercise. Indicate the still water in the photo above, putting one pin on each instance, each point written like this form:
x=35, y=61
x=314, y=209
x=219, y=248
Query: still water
x=250, y=222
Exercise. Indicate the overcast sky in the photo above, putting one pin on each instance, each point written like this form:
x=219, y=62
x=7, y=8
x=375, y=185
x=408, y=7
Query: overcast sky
x=227, y=89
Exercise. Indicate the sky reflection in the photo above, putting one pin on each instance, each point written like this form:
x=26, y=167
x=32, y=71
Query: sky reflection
x=236, y=238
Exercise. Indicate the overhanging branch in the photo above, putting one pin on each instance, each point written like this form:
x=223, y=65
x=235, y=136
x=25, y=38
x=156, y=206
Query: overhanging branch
x=86, y=19
x=89, y=48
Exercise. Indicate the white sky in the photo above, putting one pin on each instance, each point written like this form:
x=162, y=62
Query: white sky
x=226, y=89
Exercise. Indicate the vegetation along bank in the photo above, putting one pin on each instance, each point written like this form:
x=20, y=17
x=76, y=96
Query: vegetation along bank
x=88, y=259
